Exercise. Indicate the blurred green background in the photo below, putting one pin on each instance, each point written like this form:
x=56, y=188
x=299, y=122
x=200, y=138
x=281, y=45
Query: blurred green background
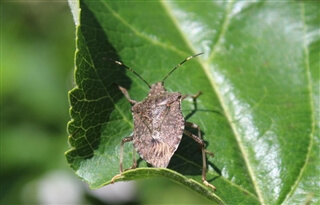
x=37, y=52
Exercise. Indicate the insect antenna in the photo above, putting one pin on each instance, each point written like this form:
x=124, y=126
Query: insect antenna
x=130, y=69
x=180, y=64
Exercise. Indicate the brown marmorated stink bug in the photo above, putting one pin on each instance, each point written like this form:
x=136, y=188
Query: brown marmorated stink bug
x=159, y=125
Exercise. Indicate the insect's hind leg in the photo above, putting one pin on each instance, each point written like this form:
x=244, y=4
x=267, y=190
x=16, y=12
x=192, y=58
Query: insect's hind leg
x=204, y=152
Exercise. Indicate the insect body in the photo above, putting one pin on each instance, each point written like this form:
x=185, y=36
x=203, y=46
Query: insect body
x=159, y=125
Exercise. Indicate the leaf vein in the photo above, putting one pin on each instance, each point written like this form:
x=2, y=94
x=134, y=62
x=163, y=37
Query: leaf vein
x=225, y=25
x=224, y=28
x=138, y=33
x=309, y=79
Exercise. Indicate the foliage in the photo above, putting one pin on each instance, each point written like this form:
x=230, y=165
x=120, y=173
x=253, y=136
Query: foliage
x=259, y=112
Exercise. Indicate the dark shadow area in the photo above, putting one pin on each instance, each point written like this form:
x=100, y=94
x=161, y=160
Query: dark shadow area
x=202, y=110
x=187, y=159
x=139, y=160
x=95, y=96
x=195, y=109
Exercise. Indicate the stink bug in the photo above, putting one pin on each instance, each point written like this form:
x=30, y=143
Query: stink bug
x=159, y=125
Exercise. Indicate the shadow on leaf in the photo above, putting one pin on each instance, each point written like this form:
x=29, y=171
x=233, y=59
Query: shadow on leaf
x=93, y=100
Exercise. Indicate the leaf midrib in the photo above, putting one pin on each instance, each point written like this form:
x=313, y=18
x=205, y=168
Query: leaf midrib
x=141, y=34
x=205, y=67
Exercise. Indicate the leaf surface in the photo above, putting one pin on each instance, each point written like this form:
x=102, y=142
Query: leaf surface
x=259, y=111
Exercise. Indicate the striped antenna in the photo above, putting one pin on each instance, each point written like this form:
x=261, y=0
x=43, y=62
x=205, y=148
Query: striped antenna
x=119, y=63
x=180, y=64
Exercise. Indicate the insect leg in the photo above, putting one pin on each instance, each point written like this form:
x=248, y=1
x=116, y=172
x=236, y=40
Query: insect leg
x=204, y=152
x=134, y=164
x=192, y=96
x=195, y=126
x=118, y=176
x=126, y=94
x=127, y=139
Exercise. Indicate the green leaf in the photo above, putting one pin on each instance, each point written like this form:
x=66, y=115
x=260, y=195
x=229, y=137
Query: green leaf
x=259, y=112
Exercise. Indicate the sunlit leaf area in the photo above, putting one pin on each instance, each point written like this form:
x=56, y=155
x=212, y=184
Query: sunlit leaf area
x=63, y=116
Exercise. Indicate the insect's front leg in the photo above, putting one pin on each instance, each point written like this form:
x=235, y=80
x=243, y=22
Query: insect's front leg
x=192, y=96
x=204, y=152
x=126, y=94
x=127, y=139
